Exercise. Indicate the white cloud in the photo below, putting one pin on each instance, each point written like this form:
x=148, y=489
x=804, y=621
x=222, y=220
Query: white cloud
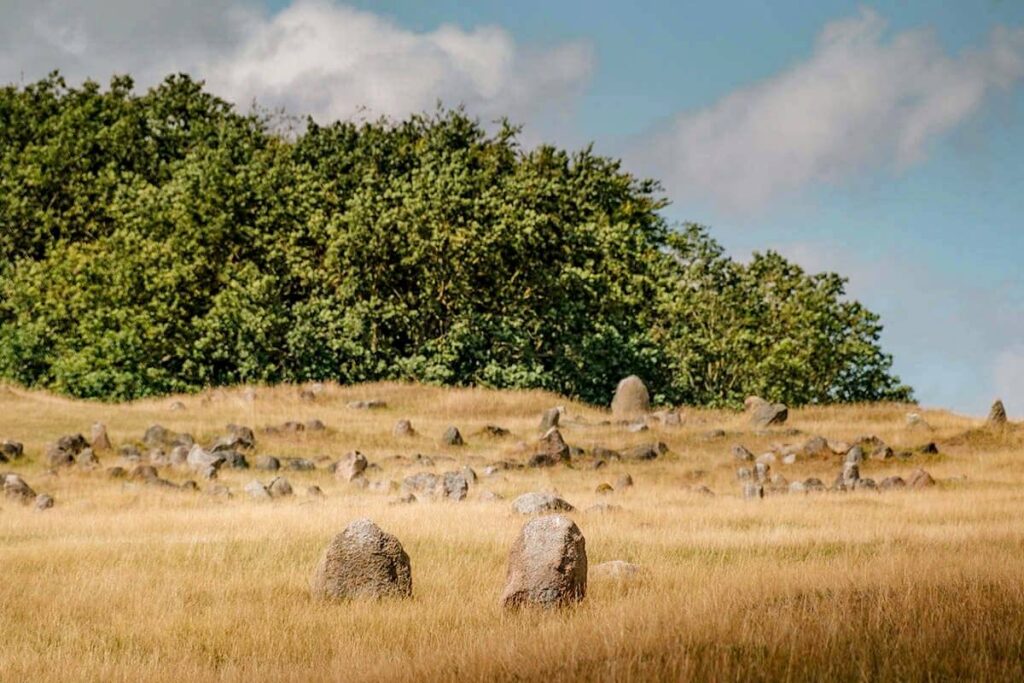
x=862, y=100
x=313, y=57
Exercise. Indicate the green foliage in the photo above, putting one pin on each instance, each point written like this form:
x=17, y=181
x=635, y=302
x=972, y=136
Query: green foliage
x=164, y=242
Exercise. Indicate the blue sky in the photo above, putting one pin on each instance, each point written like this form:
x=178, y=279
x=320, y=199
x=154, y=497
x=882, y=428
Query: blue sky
x=880, y=140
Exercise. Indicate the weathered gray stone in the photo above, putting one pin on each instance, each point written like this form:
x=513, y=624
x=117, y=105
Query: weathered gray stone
x=268, y=463
x=257, y=491
x=362, y=562
x=769, y=414
x=351, y=466
x=100, y=440
x=536, y=502
x=547, y=566
x=741, y=454
x=280, y=487
x=452, y=437
x=997, y=414
x=44, y=502
x=920, y=479
x=17, y=489
x=550, y=419
x=403, y=429
x=623, y=482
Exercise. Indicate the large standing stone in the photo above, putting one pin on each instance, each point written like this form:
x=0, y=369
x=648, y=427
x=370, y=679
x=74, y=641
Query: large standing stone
x=631, y=399
x=767, y=414
x=547, y=566
x=532, y=503
x=362, y=562
x=997, y=415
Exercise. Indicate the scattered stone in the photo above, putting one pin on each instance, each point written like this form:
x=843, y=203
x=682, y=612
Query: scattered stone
x=100, y=440
x=752, y=403
x=219, y=491
x=753, y=491
x=189, y=485
x=383, y=486
x=615, y=569
x=279, y=487
x=351, y=467
x=603, y=453
x=469, y=473
x=890, y=483
x=789, y=459
x=762, y=471
x=768, y=414
x=268, y=463
x=234, y=460
x=855, y=455
x=307, y=395
x=422, y=482
x=494, y=431
x=920, y=479
x=237, y=438
x=116, y=472
x=713, y=434
x=300, y=464
x=549, y=419
x=43, y=502
x=554, y=450
x=453, y=486
x=160, y=437
x=202, y=460
x=145, y=473
x=915, y=421
x=11, y=451
x=766, y=459
x=997, y=414
x=314, y=492
x=315, y=425
x=603, y=508
x=637, y=427
x=623, y=482
x=744, y=473
x=865, y=484
x=17, y=489
x=929, y=449
x=631, y=398
x=372, y=404
x=535, y=502
x=604, y=488
x=884, y=453
x=87, y=459
x=362, y=562
x=648, y=451
x=257, y=491
x=65, y=450
x=130, y=453
x=547, y=565
x=816, y=447
x=452, y=437
x=742, y=454
x=814, y=484
x=403, y=429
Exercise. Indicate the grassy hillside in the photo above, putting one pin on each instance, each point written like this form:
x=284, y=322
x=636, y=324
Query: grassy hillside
x=127, y=581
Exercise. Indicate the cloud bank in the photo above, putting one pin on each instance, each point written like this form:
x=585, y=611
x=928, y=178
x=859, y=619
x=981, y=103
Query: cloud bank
x=863, y=100
x=314, y=57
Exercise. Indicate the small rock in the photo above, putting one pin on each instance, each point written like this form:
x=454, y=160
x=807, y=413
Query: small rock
x=752, y=491
x=536, y=502
x=43, y=502
x=280, y=487
x=301, y=465
x=624, y=481
x=257, y=491
x=769, y=414
x=17, y=489
x=452, y=437
x=615, y=569
x=891, y=483
x=372, y=404
x=920, y=479
x=314, y=492
x=604, y=488
x=268, y=463
x=403, y=429
x=352, y=466
x=742, y=454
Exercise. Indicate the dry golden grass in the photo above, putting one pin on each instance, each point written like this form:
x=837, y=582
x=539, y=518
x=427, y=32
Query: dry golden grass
x=127, y=582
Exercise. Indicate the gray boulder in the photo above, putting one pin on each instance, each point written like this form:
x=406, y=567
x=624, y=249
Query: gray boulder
x=362, y=562
x=452, y=437
x=768, y=414
x=547, y=566
x=351, y=466
x=550, y=419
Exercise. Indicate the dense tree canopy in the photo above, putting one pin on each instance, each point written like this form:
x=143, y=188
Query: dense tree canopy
x=165, y=242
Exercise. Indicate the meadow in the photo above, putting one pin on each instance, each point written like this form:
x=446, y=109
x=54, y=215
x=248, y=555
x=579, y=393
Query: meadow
x=124, y=581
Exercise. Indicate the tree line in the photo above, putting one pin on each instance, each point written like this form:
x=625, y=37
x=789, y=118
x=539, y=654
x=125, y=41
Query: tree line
x=165, y=242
